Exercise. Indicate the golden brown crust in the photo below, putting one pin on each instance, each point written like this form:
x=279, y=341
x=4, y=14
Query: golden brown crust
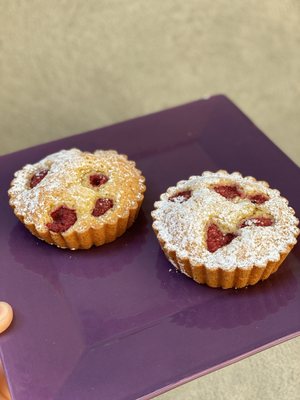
x=92, y=237
x=237, y=278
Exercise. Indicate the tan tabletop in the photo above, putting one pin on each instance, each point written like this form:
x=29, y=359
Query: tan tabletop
x=70, y=66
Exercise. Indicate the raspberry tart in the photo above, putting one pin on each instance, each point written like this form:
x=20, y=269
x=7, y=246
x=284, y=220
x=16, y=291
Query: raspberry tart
x=225, y=230
x=76, y=199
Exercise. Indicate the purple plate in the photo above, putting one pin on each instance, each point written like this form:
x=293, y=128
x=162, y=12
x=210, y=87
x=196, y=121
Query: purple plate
x=117, y=322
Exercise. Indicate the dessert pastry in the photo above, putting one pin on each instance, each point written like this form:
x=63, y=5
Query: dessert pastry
x=76, y=199
x=225, y=230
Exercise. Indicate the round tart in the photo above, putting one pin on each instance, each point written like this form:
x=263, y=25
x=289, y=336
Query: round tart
x=76, y=199
x=225, y=230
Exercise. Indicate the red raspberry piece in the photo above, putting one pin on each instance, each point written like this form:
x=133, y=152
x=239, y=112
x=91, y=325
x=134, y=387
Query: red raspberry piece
x=216, y=238
x=258, y=198
x=37, y=177
x=98, y=179
x=102, y=206
x=228, y=191
x=186, y=195
x=258, y=221
x=63, y=218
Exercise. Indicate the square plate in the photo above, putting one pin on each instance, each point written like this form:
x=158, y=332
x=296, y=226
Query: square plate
x=117, y=322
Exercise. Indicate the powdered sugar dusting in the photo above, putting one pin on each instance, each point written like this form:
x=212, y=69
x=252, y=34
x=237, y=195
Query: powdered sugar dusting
x=182, y=225
x=65, y=184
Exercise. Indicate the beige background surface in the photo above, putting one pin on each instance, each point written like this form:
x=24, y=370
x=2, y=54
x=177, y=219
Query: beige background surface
x=67, y=66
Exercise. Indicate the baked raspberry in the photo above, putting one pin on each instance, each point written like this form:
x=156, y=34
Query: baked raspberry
x=102, y=206
x=258, y=221
x=216, y=238
x=185, y=195
x=63, y=218
x=98, y=179
x=228, y=191
x=258, y=198
x=37, y=177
